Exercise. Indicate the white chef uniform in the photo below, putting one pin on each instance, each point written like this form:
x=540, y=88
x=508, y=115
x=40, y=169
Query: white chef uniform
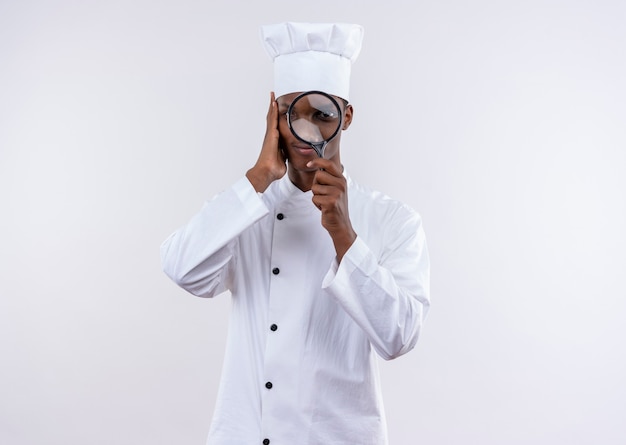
x=300, y=363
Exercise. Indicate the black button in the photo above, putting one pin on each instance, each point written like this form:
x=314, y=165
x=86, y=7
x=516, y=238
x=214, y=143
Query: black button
x=269, y=385
x=273, y=327
x=276, y=271
x=280, y=216
x=266, y=442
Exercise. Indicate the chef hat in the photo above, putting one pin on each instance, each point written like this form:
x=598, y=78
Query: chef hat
x=312, y=56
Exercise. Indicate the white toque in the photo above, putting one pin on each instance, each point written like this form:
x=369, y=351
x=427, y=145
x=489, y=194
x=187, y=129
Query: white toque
x=312, y=56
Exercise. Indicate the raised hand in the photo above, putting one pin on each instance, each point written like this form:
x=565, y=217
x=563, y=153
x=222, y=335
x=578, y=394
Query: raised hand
x=330, y=195
x=270, y=165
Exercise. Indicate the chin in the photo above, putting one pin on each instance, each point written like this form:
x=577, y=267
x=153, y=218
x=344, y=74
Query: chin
x=299, y=164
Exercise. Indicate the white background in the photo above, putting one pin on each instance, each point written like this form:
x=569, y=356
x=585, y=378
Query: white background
x=501, y=122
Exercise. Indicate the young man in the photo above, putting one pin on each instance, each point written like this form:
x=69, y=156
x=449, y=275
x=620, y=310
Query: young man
x=324, y=273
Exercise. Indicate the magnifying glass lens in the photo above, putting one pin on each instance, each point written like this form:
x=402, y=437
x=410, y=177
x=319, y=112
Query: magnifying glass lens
x=315, y=118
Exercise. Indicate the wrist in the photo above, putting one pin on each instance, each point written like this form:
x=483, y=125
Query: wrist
x=259, y=179
x=343, y=240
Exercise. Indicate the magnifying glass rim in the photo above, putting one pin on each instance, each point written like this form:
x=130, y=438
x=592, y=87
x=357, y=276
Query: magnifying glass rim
x=307, y=93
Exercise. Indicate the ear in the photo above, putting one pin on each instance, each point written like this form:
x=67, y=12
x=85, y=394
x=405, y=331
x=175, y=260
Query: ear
x=347, y=119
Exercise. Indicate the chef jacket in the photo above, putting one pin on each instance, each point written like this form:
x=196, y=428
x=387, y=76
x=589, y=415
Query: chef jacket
x=300, y=363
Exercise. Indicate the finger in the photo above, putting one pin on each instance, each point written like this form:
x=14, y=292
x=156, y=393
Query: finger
x=324, y=202
x=318, y=201
x=326, y=165
x=272, y=112
x=324, y=178
x=269, y=107
x=323, y=190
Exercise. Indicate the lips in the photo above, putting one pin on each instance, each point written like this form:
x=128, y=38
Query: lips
x=304, y=150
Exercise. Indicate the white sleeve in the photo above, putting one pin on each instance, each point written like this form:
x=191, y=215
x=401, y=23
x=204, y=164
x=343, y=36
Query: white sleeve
x=200, y=256
x=388, y=300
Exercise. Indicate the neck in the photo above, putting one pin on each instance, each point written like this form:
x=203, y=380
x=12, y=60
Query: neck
x=301, y=179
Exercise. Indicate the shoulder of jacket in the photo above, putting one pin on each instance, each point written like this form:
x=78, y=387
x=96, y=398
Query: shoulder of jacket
x=375, y=202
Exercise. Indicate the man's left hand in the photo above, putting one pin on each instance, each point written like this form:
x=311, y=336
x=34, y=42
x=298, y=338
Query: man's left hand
x=330, y=195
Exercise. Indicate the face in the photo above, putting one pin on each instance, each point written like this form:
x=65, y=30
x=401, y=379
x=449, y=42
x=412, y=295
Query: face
x=298, y=153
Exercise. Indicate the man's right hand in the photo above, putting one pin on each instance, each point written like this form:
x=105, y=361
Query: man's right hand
x=271, y=164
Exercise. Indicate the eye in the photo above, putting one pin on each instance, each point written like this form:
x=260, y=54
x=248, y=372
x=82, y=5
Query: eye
x=326, y=115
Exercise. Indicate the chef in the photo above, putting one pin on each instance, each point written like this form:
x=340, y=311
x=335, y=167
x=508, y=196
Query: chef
x=325, y=275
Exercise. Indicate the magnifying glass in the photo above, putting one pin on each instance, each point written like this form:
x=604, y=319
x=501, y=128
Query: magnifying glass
x=315, y=118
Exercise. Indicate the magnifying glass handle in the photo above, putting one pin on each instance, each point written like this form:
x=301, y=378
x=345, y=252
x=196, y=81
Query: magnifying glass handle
x=320, y=151
x=319, y=148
